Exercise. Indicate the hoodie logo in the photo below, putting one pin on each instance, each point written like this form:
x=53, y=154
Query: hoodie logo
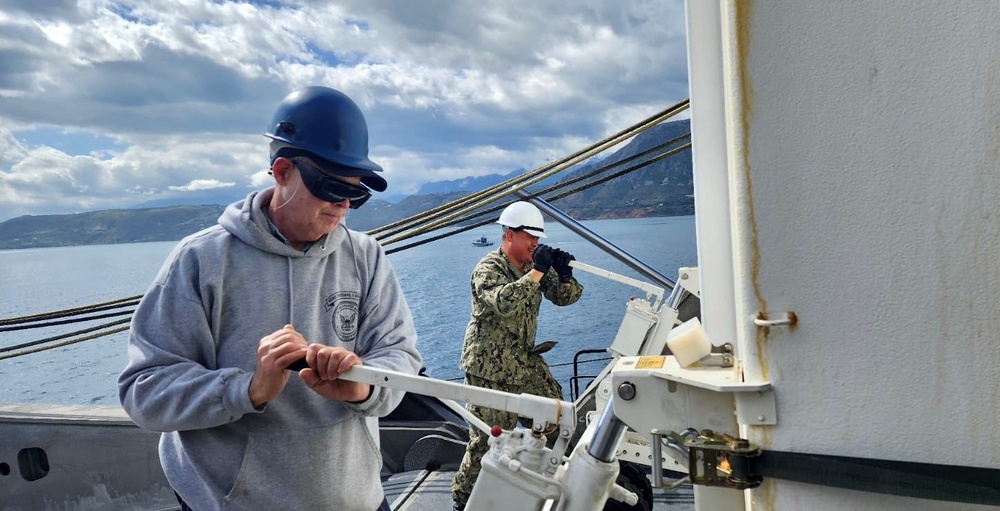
x=343, y=307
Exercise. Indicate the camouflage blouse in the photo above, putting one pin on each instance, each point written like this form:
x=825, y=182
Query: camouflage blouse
x=501, y=333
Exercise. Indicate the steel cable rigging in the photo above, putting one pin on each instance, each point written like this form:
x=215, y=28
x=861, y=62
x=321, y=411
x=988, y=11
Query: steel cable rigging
x=458, y=212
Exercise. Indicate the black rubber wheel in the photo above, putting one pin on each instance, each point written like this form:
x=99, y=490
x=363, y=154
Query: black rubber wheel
x=636, y=475
x=633, y=478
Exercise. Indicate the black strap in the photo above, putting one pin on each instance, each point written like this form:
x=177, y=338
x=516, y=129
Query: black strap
x=951, y=483
x=523, y=227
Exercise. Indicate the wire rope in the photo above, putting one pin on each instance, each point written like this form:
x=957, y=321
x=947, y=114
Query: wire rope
x=455, y=212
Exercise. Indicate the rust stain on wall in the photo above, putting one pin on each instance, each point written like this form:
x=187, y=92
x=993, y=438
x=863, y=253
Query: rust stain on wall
x=744, y=12
x=763, y=496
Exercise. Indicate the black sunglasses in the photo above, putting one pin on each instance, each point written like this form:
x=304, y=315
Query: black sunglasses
x=326, y=187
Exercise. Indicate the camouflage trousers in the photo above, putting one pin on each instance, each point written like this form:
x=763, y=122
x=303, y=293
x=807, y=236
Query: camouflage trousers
x=468, y=471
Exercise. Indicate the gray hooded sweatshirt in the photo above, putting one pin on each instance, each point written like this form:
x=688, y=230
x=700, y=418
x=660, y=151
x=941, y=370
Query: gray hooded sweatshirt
x=192, y=352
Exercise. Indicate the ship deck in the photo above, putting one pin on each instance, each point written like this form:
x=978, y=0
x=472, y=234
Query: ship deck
x=85, y=443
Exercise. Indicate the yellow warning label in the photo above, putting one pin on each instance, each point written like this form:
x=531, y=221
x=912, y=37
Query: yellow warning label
x=650, y=362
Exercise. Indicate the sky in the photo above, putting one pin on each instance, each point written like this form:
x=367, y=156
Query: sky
x=117, y=104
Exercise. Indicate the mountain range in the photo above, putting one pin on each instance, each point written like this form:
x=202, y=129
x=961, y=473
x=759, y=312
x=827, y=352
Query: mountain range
x=660, y=188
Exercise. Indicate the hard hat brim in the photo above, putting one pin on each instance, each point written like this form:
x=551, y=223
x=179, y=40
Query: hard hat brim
x=530, y=230
x=368, y=177
x=365, y=170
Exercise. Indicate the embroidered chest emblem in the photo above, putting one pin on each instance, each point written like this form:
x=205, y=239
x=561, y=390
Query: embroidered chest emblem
x=343, y=308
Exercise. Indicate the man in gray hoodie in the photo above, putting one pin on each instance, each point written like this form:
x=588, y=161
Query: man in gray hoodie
x=279, y=279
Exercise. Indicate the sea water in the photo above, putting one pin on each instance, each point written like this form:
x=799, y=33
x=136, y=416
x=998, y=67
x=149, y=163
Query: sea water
x=435, y=279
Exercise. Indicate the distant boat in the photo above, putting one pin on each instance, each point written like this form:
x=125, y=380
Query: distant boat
x=482, y=242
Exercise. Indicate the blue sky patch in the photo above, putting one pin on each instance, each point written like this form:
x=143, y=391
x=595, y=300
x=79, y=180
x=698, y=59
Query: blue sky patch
x=73, y=143
x=333, y=58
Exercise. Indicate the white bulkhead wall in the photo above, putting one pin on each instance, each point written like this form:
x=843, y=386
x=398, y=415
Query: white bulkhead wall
x=862, y=148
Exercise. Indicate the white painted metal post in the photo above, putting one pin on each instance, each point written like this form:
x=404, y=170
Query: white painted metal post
x=711, y=190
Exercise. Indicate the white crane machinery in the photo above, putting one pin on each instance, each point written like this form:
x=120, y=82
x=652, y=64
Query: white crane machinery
x=668, y=386
x=647, y=400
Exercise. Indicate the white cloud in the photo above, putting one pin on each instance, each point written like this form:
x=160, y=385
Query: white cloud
x=11, y=150
x=198, y=185
x=451, y=89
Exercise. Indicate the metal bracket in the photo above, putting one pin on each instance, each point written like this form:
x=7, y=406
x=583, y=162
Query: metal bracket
x=717, y=360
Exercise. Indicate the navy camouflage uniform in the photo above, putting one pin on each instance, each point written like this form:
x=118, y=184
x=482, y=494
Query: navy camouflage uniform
x=498, y=351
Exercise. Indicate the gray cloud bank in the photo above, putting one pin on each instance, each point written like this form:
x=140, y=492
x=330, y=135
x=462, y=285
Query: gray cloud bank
x=111, y=104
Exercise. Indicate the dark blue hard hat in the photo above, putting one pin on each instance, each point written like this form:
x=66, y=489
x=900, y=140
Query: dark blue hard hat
x=326, y=124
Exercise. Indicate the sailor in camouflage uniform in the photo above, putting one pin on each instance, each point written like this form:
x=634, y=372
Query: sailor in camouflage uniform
x=499, y=351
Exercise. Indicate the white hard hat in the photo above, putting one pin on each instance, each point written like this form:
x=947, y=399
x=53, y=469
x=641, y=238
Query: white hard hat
x=523, y=216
